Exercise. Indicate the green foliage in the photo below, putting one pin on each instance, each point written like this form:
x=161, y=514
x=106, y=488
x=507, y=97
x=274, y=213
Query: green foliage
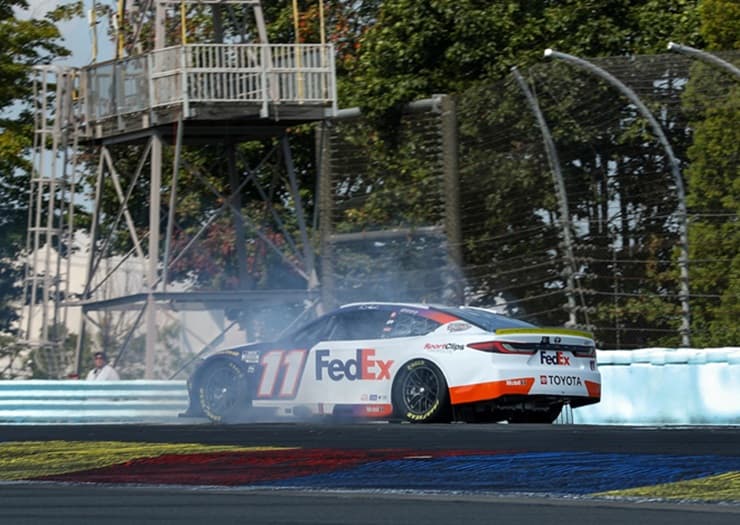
x=443, y=46
x=714, y=198
x=396, y=51
x=713, y=181
x=508, y=202
x=23, y=44
x=720, y=24
x=13, y=358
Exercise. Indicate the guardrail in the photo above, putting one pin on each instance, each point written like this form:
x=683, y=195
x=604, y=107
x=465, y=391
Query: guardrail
x=39, y=401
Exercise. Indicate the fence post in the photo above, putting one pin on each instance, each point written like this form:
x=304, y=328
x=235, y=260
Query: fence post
x=557, y=174
x=451, y=187
x=706, y=57
x=325, y=205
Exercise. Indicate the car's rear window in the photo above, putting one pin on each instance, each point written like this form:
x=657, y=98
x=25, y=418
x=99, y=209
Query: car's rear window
x=487, y=320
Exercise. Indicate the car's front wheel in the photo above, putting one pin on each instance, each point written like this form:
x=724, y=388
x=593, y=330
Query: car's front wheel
x=222, y=391
x=420, y=393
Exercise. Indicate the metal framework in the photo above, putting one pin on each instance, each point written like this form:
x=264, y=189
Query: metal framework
x=340, y=160
x=51, y=215
x=188, y=94
x=709, y=58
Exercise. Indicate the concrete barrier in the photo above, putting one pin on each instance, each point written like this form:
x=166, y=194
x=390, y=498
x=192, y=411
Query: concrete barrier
x=667, y=386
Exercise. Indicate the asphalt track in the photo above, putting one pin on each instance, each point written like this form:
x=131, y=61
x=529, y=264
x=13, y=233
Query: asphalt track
x=369, y=474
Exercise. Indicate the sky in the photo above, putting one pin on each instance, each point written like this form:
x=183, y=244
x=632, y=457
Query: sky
x=76, y=34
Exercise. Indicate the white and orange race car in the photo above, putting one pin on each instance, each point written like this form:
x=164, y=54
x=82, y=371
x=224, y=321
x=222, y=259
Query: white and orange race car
x=412, y=362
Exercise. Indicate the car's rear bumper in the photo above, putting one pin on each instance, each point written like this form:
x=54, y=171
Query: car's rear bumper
x=581, y=388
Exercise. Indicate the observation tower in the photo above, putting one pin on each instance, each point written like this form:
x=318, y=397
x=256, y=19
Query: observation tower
x=187, y=75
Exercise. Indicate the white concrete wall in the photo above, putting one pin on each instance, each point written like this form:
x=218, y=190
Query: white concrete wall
x=657, y=386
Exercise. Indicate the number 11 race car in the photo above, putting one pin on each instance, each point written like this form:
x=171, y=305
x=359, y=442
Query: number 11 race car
x=411, y=362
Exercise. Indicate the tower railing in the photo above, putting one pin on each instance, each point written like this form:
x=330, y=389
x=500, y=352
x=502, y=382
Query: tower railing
x=265, y=75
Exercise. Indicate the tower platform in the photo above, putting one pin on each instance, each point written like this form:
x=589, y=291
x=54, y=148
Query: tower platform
x=248, y=90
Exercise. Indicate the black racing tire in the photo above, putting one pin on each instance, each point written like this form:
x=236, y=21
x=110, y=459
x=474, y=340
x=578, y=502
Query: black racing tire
x=222, y=391
x=420, y=393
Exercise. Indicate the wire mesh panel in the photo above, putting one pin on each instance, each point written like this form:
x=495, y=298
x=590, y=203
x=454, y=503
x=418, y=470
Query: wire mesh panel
x=387, y=237
x=613, y=263
x=621, y=193
x=510, y=236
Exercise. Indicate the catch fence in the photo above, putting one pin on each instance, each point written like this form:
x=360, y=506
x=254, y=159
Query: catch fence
x=613, y=263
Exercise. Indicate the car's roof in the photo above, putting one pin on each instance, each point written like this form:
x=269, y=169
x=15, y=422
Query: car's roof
x=485, y=318
x=383, y=303
x=422, y=306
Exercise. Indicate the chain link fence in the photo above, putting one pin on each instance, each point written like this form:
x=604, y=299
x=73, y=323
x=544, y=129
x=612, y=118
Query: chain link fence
x=385, y=224
x=617, y=272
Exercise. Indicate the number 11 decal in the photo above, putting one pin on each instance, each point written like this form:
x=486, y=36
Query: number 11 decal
x=283, y=366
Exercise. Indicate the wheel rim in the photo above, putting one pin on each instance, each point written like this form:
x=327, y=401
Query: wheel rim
x=421, y=390
x=221, y=390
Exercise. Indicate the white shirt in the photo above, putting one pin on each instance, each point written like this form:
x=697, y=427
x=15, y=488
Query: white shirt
x=107, y=373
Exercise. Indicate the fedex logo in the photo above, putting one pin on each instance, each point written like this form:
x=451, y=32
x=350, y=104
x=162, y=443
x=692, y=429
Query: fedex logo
x=554, y=358
x=363, y=366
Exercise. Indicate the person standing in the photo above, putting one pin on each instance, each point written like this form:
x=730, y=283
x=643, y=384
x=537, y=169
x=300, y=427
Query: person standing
x=102, y=371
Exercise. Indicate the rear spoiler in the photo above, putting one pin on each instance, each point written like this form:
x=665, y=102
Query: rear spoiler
x=556, y=331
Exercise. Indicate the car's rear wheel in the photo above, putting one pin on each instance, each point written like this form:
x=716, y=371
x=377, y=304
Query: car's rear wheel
x=420, y=393
x=222, y=391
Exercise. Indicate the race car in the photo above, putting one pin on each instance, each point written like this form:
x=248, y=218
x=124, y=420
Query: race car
x=396, y=361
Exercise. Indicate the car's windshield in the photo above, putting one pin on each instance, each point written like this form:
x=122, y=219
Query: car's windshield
x=486, y=320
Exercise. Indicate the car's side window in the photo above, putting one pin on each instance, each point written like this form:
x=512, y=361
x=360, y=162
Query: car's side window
x=409, y=325
x=359, y=324
x=312, y=333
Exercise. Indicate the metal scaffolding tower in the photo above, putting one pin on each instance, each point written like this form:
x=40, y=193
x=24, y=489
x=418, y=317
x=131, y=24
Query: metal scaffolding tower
x=51, y=214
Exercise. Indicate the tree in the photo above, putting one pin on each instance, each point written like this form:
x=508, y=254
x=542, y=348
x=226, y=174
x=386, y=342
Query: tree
x=444, y=46
x=713, y=178
x=416, y=49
